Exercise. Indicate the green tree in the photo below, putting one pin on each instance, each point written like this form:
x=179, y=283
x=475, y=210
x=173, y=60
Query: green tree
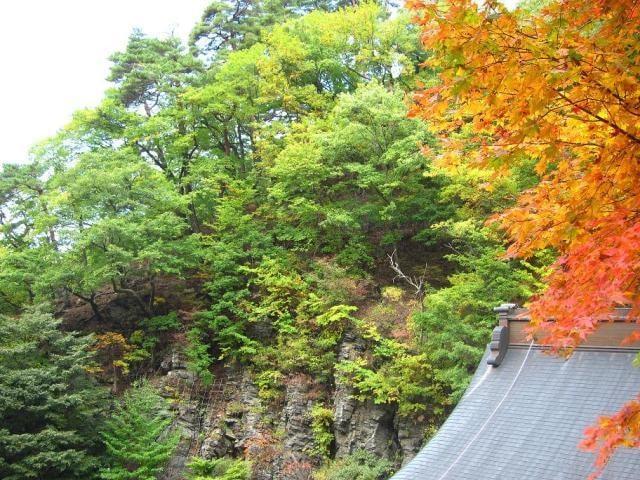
x=455, y=326
x=150, y=70
x=49, y=406
x=354, y=181
x=120, y=222
x=137, y=436
x=28, y=235
x=231, y=25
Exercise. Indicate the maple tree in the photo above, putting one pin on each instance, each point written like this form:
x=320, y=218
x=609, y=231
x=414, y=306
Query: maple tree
x=556, y=83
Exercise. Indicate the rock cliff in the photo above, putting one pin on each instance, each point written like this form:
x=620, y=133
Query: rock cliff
x=229, y=419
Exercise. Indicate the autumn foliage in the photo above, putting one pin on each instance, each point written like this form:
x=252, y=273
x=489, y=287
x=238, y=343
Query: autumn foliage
x=611, y=432
x=557, y=84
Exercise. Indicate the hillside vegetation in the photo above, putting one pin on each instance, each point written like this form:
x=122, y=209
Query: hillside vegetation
x=251, y=200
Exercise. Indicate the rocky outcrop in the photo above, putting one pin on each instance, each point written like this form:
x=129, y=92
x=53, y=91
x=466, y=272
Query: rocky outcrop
x=231, y=416
x=296, y=415
x=410, y=433
x=229, y=419
x=361, y=425
x=295, y=422
x=366, y=426
x=250, y=404
x=178, y=385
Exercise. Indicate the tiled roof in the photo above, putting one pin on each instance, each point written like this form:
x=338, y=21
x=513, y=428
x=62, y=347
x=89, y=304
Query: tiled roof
x=536, y=429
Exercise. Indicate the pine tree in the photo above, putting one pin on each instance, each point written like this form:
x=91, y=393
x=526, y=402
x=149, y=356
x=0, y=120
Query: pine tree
x=48, y=403
x=136, y=438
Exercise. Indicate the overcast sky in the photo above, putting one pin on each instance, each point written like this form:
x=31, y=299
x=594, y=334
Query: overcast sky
x=54, y=58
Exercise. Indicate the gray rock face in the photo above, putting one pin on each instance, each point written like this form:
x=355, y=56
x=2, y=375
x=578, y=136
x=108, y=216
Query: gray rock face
x=361, y=425
x=411, y=436
x=231, y=420
x=177, y=385
x=219, y=443
x=296, y=415
x=366, y=426
x=226, y=419
x=250, y=423
x=234, y=426
x=296, y=421
x=173, y=361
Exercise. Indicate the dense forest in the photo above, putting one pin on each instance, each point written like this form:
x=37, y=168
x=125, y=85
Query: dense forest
x=303, y=201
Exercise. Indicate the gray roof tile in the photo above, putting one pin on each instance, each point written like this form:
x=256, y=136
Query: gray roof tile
x=535, y=432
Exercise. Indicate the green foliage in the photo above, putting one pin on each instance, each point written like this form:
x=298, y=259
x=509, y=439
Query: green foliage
x=110, y=219
x=322, y=428
x=457, y=321
x=49, y=407
x=191, y=165
x=357, y=173
x=360, y=465
x=239, y=242
x=218, y=469
x=27, y=234
x=161, y=323
x=149, y=69
x=198, y=353
x=270, y=168
x=391, y=293
x=230, y=25
x=396, y=375
x=269, y=383
x=306, y=326
x=151, y=333
x=137, y=437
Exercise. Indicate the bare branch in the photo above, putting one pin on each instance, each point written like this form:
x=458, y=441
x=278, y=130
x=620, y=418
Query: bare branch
x=417, y=282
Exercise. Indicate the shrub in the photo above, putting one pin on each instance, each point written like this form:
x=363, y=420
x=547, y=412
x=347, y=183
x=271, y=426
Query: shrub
x=361, y=465
x=219, y=469
x=321, y=426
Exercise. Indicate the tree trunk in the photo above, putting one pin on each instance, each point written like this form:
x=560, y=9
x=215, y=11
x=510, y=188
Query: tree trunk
x=91, y=300
x=147, y=311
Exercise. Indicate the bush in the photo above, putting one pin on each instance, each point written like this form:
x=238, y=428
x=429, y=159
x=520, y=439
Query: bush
x=219, y=469
x=321, y=425
x=361, y=465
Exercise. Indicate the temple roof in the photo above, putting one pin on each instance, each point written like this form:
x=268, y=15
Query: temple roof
x=524, y=418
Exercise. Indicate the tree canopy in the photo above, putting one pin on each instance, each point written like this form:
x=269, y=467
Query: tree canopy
x=49, y=402
x=558, y=84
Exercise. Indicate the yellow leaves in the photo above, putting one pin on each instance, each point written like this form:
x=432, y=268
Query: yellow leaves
x=121, y=364
x=475, y=107
x=542, y=165
x=447, y=159
x=488, y=187
x=550, y=90
x=114, y=347
x=110, y=340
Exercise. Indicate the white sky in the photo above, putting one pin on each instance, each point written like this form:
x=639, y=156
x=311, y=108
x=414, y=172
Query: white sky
x=54, y=58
